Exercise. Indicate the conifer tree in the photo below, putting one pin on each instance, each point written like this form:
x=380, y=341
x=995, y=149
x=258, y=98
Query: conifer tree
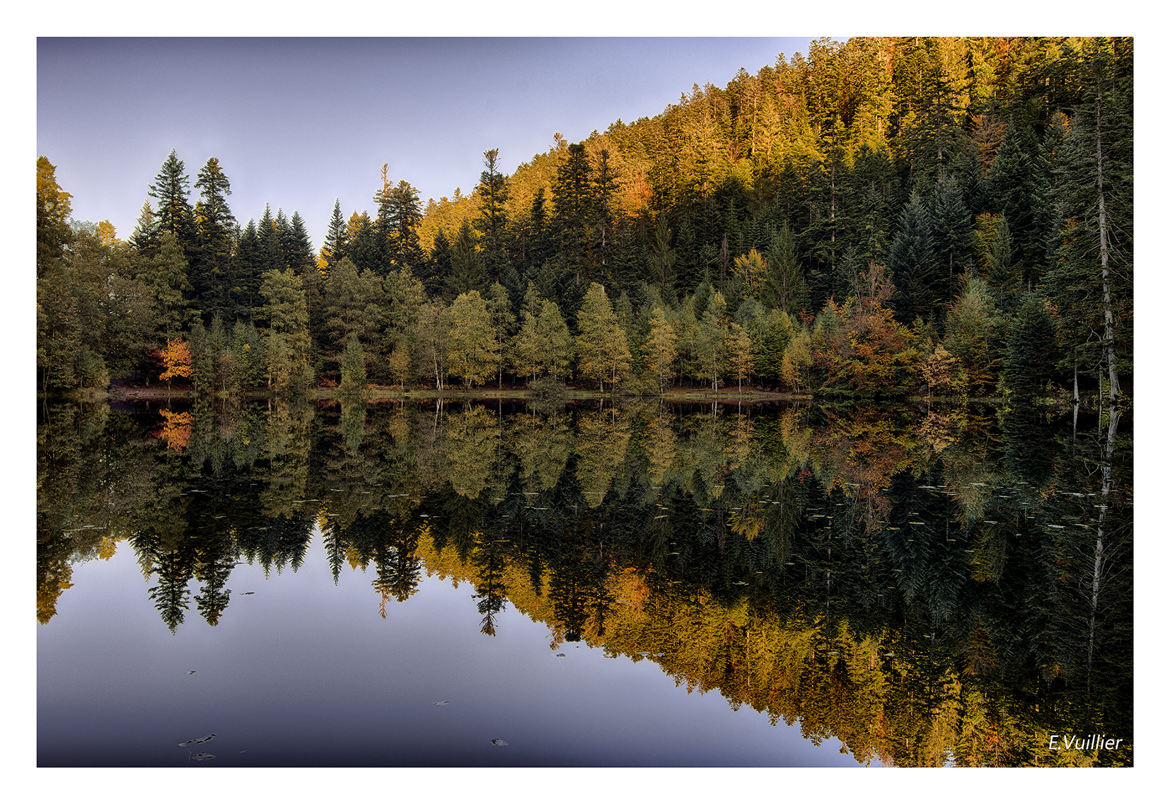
x=145, y=235
x=952, y=230
x=572, y=193
x=405, y=214
x=492, y=221
x=335, y=239
x=1030, y=349
x=211, y=267
x=173, y=209
x=914, y=264
x=467, y=272
x=785, y=286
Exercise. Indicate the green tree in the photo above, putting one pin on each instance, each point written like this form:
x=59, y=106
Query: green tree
x=353, y=367
x=335, y=239
x=492, y=221
x=952, y=229
x=740, y=355
x=472, y=350
x=914, y=264
x=173, y=208
x=554, y=343
x=164, y=271
x=572, y=193
x=661, y=348
x=602, y=349
x=53, y=210
x=1030, y=352
x=785, y=286
x=974, y=332
x=467, y=272
x=503, y=322
x=711, y=345
x=284, y=311
x=211, y=269
x=432, y=342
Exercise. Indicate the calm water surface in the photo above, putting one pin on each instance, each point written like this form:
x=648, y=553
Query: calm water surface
x=476, y=585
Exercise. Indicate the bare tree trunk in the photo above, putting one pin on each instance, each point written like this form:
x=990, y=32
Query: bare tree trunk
x=1076, y=385
x=1099, y=548
x=1110, y=357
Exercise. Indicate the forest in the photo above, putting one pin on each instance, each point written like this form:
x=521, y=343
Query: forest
x=885, y=216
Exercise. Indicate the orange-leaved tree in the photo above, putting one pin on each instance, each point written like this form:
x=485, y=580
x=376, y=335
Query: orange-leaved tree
x=177, y=361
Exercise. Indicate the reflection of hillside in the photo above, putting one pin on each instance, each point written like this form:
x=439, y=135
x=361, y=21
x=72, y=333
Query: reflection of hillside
x=880, y=694
x=913, y=583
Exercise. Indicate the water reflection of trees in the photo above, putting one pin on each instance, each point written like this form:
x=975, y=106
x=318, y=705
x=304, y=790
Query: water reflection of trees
x=929, y=587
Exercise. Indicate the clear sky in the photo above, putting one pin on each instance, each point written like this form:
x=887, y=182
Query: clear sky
x=298, y=123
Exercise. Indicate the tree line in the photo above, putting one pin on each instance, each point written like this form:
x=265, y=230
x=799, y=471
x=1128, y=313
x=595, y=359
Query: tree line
x=892, y=215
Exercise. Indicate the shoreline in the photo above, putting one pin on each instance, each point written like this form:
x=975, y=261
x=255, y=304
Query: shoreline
x=376, y=394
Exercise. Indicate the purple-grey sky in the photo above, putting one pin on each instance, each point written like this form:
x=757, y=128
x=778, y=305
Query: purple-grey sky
x=300, y=122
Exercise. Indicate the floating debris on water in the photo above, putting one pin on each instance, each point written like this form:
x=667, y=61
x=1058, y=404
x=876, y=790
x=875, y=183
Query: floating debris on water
x=499, y=741
x=197, y=740
x=560, y=655
x=247, y=593
x=442, y=703
x=200, y=756
x=190, y=672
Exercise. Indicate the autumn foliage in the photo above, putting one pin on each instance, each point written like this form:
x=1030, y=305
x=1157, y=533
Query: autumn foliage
x=176, y=360
x=176, y=429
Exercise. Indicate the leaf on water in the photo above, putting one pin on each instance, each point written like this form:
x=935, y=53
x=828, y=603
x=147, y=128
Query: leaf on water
x=442, y=703
x=499, y=741
x=190, y=672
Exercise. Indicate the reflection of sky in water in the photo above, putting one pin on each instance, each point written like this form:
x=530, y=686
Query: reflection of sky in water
x=306, y=673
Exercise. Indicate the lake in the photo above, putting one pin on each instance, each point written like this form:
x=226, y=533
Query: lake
x=501, y=584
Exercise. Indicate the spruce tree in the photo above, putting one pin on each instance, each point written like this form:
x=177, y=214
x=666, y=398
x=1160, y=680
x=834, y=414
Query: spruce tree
x=572, y=193
x=914, y=264
x=405, y=215
x=952, y=230
x=173, y=210
x=211, y=266
x=492, y=221
x=1030, y=349
x=335, y=240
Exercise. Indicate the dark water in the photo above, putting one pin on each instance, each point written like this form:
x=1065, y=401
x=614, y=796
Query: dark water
x=482, y=585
